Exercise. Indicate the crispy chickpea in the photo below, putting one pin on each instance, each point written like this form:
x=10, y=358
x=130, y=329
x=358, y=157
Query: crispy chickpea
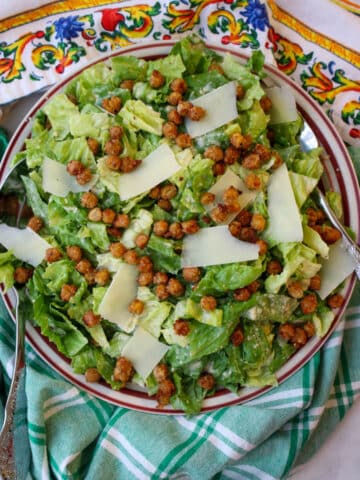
x=91, y=319
x=156, y=79
x=315, y=282
x=35, y=223
x=178, y=85
x=131, y=257
x=215, y=153
x=309, y=329
x=145, y=264
x=122, y=220
x=175, y=231
x=124, y=370
x=95, y=214
x=174, y=98
x=112, y=104
x=242, y=294
x=231, y=155
x=170, y=130
x=129, y=164
x=168, y=191
x=263, y=246
x=181, y=327
x=175, y=117
x=295, y=289
x=136, y=307
x=196, y=113
x=231, y=199
x=190, y=226
x=274, y=267
x=219, y=213
x=216, y=67
x=141, y=240
x=300, y=337
x=116, y=131
x=278, y=161
x=155, y=193
x=84, y=266
x=330, y=235
x=248, y=234
x=164, y=204
x=22, y=274
x=84, y=177
x=89, y=200
x=52, y=254
x=145, y=279
x=335, y=301
x=102, y=277
x=183, y=108
x=114, y=232
x=67, y=292
x=161, y=227
x=240, y=92
x=92, y=375
x=117, y=249
x=308, y=304
x=251, y=161
x=161, y=372
x=258, y=222
x=265, y=103
x=236, y=139
x=191, y=274
x=237, y=336
x=206, y=381
x=165, y=391
x=175, y=287
x=113, y=146
x=208, y=303
x=160, y=278
x=287, y=331
x=74, y=253
x=207, y=198
x=127, y=84
x=253, y=181
x=219, y=168
x=263, y=152
x=244, y=217
x=108, y=216
x=90, y=277
x=183, y=140
x=161, y=291
x=312, y=216
x=235, y=228
x=247, y=142
x=254, y=286
x=74, y=167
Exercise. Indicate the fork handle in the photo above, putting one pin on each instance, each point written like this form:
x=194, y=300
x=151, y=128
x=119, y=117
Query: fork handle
x=7, y=452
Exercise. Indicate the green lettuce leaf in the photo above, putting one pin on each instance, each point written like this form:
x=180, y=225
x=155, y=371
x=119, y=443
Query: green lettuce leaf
x=58, y=111
x=136, y=115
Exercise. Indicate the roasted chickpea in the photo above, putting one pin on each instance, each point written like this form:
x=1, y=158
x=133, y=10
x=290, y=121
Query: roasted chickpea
x=248, y=234
x=90, y=277
x=231, y=155
x=92, y=375
x=287, y=331
x=22, y=274
x=168, y=191
x=113, y=146
x=175, y=231
x=191, y=274
x=236, y=140
x=242, y=294
x=254, y=286
x=263, y=152
x=219, y=168
x=183, y=140
x=330, y=235
x=265, y=104
x=157, y=79
x=207, y=198
x=155, y=192
x=335, y=301
x=253, y=181
x=145, y=279
x=295, y=289
x=145, y=264
x=208, y=303
x=95, y=215
x=102, y=277
x=108, y=216
x=117, y=249
x=116, y=131
x=231, y=199
x=240, y=92
x=244, y=217
x=74, y=167
x=84, y=177
x=112, y=104
x=131, y=257
x=175, y=117
x=113, y=162
x=258, y=222
x=251, y=161
x=160, y=278
x=53, y=254
x=216, y=67
x=175, y=288
x=129, y=164
x=35, y=223
x=219, y=213
x=164, y=204
x=235, y=228
x=178, y=85
x=300, y=337
x=308, y=304
x=122, y=220
x=215, y=153
x=67, y=292
x=237, y=336
x=161, y=291
x=315, y=282
x=190, y=227
x=277, y=161
x=183, y=108
x=114, y=232
x=74, y=253
x=182, y=327
x=91, y=319
x=161, y=372
x=206, y=381
x=309, y=329
x=84, y=266
x=127, y=84
x=174, y=98
x=196, y=113
x=165, y=391
x=263, y=246
x=136, y=307
x=124, y=370
x=161, y=227
x=141, y=240
x=274, y=267
x=89, y=200
x=170, y=130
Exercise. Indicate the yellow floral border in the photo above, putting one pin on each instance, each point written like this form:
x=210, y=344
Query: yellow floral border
x=50, y=9
x=313, y=36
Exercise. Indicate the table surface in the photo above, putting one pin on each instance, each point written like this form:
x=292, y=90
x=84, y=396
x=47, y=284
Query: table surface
x=339, y=457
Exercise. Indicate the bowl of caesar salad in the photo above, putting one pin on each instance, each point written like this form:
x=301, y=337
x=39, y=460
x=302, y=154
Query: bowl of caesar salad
x=172, y=254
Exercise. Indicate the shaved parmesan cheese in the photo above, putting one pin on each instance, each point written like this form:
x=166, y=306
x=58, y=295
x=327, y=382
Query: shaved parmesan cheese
x=154, y=169
x=338, y=266
x=58, y=181
x=144, y=351
x=25, y=244
x=284, y=216
x=225, y=181
x=283, y=109
x=220, y=108
x=121, y=292
x=216, y=246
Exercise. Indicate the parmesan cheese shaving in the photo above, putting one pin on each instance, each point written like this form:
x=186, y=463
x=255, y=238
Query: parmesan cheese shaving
x=25, y=244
